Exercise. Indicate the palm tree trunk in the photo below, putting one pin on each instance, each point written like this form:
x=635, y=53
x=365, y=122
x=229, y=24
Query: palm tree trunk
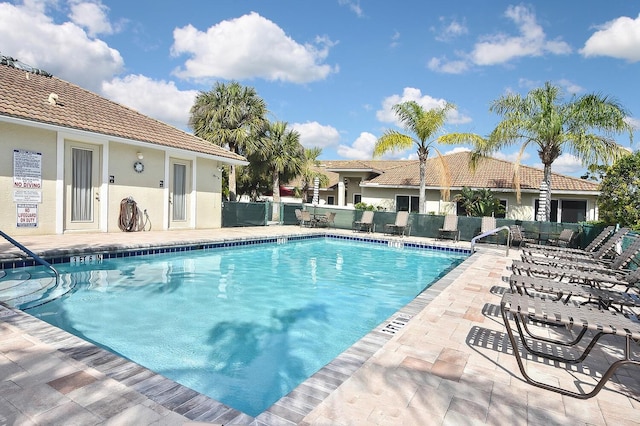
x=423, y=174
x=544, y=211
x=276, y=196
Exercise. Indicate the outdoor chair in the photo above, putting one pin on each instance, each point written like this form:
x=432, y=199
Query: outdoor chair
x=619, y=261
x=365, y=223
x=518, y=237
x=565, y=292
x=606, y=250
x=307, y=220
x=565, y=239
x=603, y=236
x=525, y=311
x=400, y=226
x=298, y=213
x=487, y=224
x=450, y=228
x=624, y=279
x=327, y=220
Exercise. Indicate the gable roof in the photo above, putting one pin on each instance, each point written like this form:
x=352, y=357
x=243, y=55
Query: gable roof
x=490, y=173
x=25, y=95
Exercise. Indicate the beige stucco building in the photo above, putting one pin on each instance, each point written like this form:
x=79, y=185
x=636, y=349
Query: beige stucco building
x=70, y=160
x=394, y=186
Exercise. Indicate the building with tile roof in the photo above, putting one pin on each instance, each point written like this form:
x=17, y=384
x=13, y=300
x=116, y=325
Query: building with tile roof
x=394, y=185
x=71, y=158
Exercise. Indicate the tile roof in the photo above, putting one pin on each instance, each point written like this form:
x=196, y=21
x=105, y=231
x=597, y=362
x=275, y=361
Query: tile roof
x=490, y=173
x=25, y=95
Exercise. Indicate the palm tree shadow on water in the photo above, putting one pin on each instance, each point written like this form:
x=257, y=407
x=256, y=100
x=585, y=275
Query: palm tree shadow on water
x=259, y=357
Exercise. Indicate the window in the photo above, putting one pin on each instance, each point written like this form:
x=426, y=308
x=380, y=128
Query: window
x=357, y=198
x=179, y=192
x=407, y=203
x=573, y=211
x=502, y=215
x=331, y=200
x=554, y=210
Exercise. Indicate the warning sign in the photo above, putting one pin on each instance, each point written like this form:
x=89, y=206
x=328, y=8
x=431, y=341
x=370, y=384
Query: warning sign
x=27, y=215
x=27, y=169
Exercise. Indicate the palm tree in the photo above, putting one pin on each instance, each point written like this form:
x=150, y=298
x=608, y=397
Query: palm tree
x=229, y=115
x=543, y=120
x=310, y=172
x=424, y=124
x=283, y=156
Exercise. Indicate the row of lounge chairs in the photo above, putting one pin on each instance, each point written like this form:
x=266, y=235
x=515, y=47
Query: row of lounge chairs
x=576, y=297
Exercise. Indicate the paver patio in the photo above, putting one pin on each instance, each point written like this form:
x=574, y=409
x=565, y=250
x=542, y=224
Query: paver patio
x=450, y=364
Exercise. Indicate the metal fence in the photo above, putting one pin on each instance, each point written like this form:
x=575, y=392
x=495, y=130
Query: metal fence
x=422, y=225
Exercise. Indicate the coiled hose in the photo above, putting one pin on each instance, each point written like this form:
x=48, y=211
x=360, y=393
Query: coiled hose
x=131, y=219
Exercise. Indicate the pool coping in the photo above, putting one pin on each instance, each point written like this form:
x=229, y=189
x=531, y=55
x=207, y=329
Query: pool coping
x=288, y=410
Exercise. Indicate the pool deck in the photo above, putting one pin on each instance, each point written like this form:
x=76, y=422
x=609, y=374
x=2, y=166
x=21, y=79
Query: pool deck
x=449, y=364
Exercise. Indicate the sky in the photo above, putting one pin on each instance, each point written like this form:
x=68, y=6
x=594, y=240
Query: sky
x=333, y=69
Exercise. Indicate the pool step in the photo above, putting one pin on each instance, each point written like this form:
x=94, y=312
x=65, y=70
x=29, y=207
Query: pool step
x=24, y=289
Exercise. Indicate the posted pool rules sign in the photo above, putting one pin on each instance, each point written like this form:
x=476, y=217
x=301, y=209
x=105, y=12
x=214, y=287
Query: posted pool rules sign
x=27, y=215
x=27, y=186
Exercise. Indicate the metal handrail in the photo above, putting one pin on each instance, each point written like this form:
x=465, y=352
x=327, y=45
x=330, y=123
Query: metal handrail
x=491, y=232
x=33, y=255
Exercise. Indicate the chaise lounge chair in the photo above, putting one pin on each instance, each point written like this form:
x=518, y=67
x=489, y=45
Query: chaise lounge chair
x=605, y=299
x=450, y=227
x=618, y=262
x=592, y=246
x=598, y=279
x=365, y=223
x=606, y=249
x=400, y=226
x=525, y=310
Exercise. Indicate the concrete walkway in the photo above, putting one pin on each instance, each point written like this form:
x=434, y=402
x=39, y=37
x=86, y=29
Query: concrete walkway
x=450, y=364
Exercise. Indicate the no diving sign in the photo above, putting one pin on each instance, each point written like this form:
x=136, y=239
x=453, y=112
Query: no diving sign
x=27, y=215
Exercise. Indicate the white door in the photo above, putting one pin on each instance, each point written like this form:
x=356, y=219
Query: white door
x=82, y=186
x=178, y=194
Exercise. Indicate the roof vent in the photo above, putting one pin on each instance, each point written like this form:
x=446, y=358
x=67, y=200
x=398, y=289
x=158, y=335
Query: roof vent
x=53, y=99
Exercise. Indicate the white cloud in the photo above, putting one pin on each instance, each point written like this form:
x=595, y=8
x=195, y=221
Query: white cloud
x=501, y=48
x=314, y=134
x=248, y=47
x=619, y=38
x=448, y=66
x=159, y=99
x=28, y=34
x=570, y=87
x=450, y=30
x=354, y=6
x=633, y=122
x=511, y=157
x=394, y=39
x=386, y=114
x=91, y=16
x=360, y=149
x=566, y=164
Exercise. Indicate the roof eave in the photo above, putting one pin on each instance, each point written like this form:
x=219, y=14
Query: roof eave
x=106, y=137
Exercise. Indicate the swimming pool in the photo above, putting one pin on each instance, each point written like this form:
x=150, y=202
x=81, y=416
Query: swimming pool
x=243, y=325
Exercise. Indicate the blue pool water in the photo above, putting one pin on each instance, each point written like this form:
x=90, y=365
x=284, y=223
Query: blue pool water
x=243, y=325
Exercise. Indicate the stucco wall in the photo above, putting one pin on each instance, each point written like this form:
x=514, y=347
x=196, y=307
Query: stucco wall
x=118, y=180
x=208, y=194
x=143, y=187
x=36, y=140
